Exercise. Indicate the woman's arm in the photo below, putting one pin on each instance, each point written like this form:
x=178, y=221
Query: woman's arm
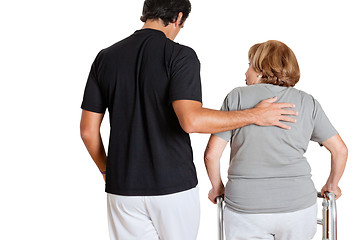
x=339, y=154
x=213, y=152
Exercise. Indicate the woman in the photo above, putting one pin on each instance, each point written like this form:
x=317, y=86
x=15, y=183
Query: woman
x=269, y=193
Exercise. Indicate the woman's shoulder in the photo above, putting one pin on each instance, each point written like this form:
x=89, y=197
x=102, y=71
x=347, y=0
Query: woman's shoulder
x=247, y=97
x=256, y=91
x=304, y=95
x=246, y=89
x=235, y=91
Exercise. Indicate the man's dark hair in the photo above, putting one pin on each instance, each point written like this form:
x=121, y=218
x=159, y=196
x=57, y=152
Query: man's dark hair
x=166, y=10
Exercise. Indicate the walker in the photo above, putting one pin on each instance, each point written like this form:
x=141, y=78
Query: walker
x=328, y=221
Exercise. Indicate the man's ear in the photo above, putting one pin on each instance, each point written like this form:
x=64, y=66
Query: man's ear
x=178, y=19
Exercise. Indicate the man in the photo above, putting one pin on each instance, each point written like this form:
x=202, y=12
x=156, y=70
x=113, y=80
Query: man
x=151, y=88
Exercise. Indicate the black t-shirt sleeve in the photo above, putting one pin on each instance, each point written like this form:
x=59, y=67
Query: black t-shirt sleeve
x=185, y=81
x=93, y=99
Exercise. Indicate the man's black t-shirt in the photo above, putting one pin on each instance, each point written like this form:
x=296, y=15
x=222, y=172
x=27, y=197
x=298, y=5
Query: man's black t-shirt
x=137, y=79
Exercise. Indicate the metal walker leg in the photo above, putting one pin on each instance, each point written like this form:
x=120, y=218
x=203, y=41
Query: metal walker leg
x=220, y=210
x=329, y=217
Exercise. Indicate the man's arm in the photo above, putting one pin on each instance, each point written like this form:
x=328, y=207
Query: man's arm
x=90, y=134
x=194, y=118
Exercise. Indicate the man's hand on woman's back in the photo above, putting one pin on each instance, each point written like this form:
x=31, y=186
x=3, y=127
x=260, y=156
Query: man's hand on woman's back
x=269, y=113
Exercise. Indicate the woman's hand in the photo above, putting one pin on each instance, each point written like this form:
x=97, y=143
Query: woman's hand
x=332, y=189
x=215, y=192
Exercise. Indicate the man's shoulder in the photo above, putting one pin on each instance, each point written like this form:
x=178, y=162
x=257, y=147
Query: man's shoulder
x=123, y=43
x=181, y=46
x=173, y=49
x=110, y=49
x=183, y=52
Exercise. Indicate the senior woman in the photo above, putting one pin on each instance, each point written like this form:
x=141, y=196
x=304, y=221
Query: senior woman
x=269, y=193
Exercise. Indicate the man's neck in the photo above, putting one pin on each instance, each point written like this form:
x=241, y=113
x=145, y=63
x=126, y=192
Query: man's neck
x=158, y=25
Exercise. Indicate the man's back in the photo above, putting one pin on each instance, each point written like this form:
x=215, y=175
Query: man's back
x=137, y=79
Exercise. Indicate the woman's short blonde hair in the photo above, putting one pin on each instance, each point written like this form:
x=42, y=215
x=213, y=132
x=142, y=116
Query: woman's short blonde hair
x=276, y=62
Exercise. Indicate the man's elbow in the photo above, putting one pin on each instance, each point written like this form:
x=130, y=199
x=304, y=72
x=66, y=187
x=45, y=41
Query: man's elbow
x=189, y=125
x=188, y=128
x=86, y=133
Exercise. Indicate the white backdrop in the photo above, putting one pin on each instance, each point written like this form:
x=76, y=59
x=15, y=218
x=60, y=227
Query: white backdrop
x=50, y=187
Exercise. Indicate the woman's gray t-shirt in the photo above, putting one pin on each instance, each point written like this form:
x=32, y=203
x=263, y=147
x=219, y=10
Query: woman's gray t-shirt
x=268, y=172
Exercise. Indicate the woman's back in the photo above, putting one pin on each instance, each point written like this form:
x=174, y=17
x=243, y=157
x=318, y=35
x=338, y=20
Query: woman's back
x=268, y=172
